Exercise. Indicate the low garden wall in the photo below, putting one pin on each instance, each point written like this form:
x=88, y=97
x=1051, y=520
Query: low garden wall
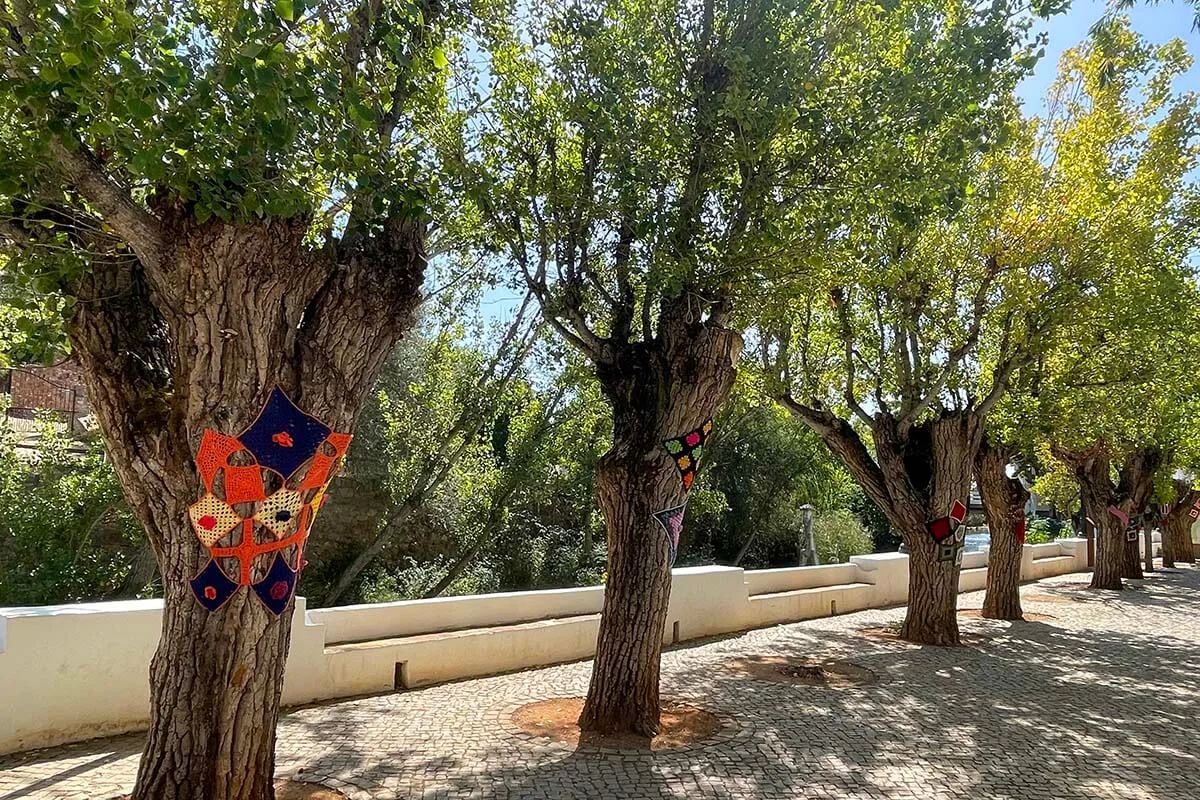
x=74, y=672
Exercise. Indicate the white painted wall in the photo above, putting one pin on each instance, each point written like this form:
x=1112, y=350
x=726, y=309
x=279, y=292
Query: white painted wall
x=74, y=672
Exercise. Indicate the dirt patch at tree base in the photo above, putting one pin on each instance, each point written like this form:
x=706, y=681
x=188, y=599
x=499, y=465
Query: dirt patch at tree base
x=1028, y=616
x=891, y=634
x=829, y=673
x=557, y=719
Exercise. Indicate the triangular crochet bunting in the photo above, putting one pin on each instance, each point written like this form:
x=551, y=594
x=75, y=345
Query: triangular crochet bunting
x=212, y=587
x=276, y=587
x=686, y=450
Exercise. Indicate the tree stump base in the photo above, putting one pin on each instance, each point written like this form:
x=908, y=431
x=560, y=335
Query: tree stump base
x=822, y=673
x=557, y=719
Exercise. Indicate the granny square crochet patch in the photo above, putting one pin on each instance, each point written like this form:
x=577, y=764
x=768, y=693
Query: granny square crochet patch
x=212, y=519
x=686, y=450
x=283, y=437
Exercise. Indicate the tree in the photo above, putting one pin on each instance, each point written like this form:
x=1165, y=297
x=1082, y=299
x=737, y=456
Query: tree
x=634, y=164
x=1177, y=520
x=1062, y=170
x=908, y=335
x=235, y=199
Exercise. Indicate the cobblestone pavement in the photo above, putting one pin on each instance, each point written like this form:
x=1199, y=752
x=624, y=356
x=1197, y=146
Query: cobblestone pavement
x=1103, y=701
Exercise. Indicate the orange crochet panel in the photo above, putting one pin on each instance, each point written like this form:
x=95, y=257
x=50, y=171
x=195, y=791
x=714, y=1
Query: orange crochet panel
x=281, y=439
x=325, y=466
x=244, y=484
x=213, y=455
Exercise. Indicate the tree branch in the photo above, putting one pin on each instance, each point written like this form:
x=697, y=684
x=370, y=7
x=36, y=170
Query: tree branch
x=841, y=438
x=956, y=356
x=839, y=302
x=137, y=226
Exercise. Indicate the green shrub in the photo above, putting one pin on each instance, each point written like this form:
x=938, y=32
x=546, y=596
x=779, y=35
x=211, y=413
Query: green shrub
x=65, y=532
x=839, y=534
x=1041, y=530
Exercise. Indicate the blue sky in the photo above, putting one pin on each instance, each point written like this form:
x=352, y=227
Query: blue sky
x=1159, y=23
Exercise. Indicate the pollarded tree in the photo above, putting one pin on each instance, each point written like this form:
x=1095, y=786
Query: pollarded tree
x=1178, y=515
x=641, y=164
x=932, y=296
x=1080, y=156
x=233, y=198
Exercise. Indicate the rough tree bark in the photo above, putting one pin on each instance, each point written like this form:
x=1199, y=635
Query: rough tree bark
x=1177, y=526
x=1131, y=558
x=1181, y=536
x=916, y=474
x=1097, y=493
x=659, y=390
x=194, y=335
x=1004, y=500
x=1137, y=483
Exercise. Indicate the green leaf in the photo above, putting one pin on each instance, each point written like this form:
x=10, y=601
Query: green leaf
x=439, y=58
x=286, y=10
x=71, y=59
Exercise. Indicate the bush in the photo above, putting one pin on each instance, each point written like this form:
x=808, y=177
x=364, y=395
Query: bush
x=883, y=538
x=1041, y=530
x=65, y=532
x=839, y=535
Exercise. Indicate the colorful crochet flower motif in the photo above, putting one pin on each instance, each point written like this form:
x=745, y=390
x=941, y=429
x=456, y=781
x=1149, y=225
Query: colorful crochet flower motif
x=686, y=450
x=281, y=440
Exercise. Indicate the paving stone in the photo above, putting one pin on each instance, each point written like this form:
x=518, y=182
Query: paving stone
x=1100, y=703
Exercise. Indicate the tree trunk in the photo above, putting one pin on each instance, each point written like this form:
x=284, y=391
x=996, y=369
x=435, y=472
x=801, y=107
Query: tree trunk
x=1181, y=536
x=1131, y=562
x=199, y=344
x=659, y=390
x=947, y=458
x=1096, y=494
x=915, y=476
x=1177, y=525
x=1137, y=484
x=1004, y=500
x=1168, y=542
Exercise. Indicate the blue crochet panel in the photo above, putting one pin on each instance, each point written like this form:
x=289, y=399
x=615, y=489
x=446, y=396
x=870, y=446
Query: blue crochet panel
x=277, y=586
x=212, y=586
x=283, y=437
